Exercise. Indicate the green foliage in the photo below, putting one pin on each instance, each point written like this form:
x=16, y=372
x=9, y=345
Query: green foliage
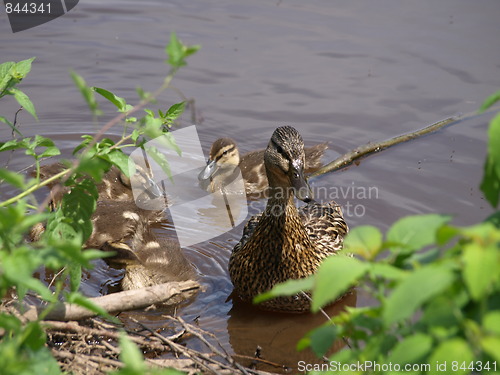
x=87, y=93
x=178, y=52
x=61, y=246
x=490, y=185
x=11, y=74
x=437, y=288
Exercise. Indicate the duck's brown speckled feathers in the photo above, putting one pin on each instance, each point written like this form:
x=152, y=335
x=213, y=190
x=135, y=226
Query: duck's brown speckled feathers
x=285, y=243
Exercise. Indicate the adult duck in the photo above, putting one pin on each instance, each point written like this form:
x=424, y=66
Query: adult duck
x=283, y=242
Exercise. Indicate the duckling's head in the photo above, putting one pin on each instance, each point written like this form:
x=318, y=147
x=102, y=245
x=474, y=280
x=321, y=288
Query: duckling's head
x=284, y=160
x=224, y=157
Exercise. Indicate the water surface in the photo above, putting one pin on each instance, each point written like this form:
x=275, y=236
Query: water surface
x=343, y=72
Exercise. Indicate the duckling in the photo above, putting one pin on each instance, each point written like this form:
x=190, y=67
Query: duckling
x=119, y=221
x=117, y=215
x=150, y=260
x=282, y=242
x=224, y=157
x=114, y=185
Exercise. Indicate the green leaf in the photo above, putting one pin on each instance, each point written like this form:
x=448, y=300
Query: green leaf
x=131, y=356
x=118, y=158
x=415, y=290
x=22, y=68
x=75, y=277
x=119, y=102
x=5, y=76
x=481, y=268
x=12, y=178
x=24, y=101
x=178, y=52
x=415, y=232
x=175, y=111
x=494, y=219
x=335, y=275
x=411, y=350
x=320, y=339
x=490, y=185
x=288, y=288
x=491, y=322
x=365, y=241
x=445, y=234
x=491, y=345
x=387, y=271
x=11, y=125
x=452, y=351
x=87, y=93
x=34, y=336
x=492, y=99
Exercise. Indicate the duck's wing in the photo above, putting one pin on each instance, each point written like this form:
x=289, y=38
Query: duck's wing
x=247, y=232
x=313, y=157
x=325, y=225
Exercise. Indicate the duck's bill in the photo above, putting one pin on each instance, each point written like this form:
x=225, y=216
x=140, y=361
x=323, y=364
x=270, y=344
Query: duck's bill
x=208, y=171
x=301, y=187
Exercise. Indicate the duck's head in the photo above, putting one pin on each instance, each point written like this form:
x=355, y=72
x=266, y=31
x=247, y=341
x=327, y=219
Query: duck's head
x=284, y=160
x=224, y=157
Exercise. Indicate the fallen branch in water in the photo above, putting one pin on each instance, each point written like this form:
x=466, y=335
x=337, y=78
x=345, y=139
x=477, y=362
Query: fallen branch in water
x=118, y=302
x=370, y=148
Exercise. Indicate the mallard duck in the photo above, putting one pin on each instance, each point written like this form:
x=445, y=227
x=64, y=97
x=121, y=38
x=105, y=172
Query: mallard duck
x=224, y=157
x=282, y=242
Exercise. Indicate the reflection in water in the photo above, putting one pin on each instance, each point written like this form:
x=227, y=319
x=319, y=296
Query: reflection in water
x=277, y=334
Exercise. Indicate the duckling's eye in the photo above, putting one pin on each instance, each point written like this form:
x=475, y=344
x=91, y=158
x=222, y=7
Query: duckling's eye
x=295, y=175
x=225, y=152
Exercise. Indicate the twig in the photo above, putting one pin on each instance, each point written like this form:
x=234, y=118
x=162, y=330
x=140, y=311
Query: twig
x=370, y=148
x=261, y=360
x=78, y=329
x=199, y=333
x=117, y=302
x=64, y=354
x=178, y=348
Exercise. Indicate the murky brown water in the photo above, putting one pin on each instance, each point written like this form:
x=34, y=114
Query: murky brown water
x=348, y=73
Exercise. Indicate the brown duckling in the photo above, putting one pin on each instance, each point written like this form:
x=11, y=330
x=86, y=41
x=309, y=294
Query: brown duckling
x=224, y=158
x=117, y=215
x=282, y=242
x=114, y=185
x=150, y=260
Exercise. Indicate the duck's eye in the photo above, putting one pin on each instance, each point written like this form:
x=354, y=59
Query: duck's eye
x=279, y=149
x=225, y=152
x=295, y=175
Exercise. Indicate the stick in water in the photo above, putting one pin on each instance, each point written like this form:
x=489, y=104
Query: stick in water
x=370, y=148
